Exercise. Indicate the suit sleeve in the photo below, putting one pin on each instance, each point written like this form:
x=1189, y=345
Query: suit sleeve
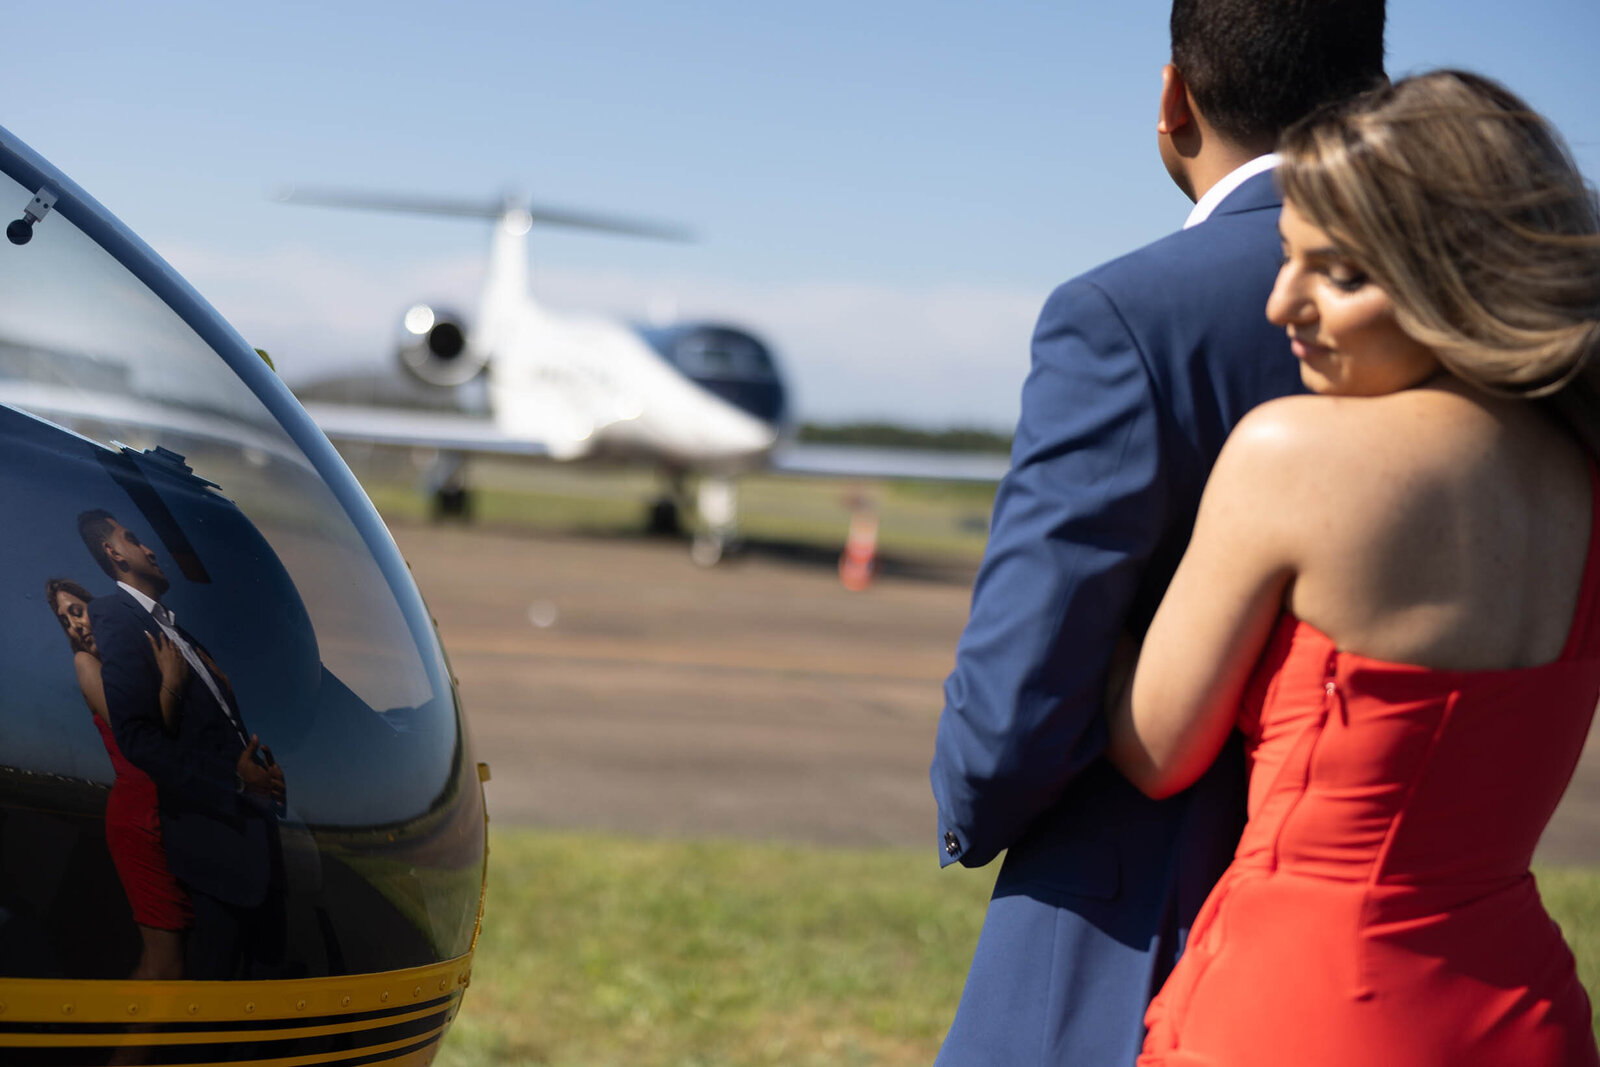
x=1075, y=522
x=133, y=700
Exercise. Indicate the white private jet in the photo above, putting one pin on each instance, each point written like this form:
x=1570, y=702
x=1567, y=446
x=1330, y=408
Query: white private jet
x=693, y=399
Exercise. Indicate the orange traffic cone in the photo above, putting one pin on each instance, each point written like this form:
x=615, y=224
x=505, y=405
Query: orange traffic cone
x=858, y=564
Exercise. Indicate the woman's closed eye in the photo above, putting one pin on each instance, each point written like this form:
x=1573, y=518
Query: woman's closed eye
x=1347, y=278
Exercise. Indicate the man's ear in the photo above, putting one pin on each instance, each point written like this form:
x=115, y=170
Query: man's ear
x=1175, y=110
x=118, y=560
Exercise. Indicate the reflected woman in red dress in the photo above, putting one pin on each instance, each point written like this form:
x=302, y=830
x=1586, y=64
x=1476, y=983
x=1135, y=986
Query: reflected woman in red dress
x=133, y=822
x=1393, y=594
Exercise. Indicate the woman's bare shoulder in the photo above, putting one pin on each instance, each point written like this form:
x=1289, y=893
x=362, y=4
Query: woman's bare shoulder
x=1348, y=440
x=1318, y=474
x=87, y=667
x=1295, y=445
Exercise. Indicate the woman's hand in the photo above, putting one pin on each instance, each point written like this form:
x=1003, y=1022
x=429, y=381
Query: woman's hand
x=170, y=661
x=174, y=668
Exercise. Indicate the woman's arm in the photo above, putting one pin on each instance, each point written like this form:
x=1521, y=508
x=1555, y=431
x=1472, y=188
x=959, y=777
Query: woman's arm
x=1171, y=717
x=174, y=670
x=94, y=692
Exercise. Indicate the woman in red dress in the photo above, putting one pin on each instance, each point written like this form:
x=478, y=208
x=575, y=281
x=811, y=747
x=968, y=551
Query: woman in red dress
x=133, y=823
x=1393, y=591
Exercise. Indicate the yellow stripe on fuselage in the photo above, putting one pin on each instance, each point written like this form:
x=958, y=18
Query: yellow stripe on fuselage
x=63, y=1014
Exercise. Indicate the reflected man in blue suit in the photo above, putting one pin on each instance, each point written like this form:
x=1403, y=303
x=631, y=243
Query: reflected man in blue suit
x=217, y=785
x=1140, y=368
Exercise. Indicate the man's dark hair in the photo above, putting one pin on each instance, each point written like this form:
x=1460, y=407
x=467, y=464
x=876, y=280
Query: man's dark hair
x=1254, y=67
x=96, y=528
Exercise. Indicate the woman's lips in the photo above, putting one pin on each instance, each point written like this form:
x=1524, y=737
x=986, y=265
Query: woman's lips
x=1306, y=349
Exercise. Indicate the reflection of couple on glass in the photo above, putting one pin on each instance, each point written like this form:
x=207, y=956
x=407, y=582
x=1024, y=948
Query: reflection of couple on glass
x=133, y=828
x=170, y=713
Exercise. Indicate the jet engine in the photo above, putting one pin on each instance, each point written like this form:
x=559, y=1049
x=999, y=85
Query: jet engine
x=434, y=347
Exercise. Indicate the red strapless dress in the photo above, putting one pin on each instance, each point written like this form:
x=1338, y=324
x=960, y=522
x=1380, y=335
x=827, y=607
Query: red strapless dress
x=1379, y=909
x=133, y=834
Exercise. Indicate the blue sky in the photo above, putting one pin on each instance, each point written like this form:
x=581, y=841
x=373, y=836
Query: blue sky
x=886, y=191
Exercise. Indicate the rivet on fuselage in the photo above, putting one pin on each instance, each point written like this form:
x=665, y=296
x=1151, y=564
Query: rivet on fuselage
x=250, y=1006
x=133, y=1009
x=385, y=997
x=193, y=1008
x=66, y=1009
x=345, y=1003
x=417, y=992
x=299, y=1005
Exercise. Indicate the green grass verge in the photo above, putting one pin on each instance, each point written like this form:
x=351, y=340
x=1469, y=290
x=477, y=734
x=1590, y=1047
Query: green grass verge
x=601, y=950
x=929, y=520
x=1572, y=896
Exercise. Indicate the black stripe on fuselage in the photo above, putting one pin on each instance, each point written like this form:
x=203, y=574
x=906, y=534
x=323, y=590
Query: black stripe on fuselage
x=241, y=1051
x=223, y=1027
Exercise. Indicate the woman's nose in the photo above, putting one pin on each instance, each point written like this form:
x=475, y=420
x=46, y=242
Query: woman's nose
x=1288, y=303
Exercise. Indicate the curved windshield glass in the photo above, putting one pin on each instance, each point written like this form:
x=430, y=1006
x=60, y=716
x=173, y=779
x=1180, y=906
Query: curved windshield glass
x=178, y=579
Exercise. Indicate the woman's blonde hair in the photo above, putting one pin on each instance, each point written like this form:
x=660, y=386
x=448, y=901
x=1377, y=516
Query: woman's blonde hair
x=1466, y=207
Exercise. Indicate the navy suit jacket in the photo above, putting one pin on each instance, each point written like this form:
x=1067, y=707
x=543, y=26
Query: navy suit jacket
x=216, y=841
x=1140, y=369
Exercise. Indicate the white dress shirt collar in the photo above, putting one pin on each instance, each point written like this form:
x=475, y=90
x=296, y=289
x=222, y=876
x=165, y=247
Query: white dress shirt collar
x=144, y=602
x=1231, y=181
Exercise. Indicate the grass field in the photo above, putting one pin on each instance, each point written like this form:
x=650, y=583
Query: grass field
x=937, y=521
x=600, y=950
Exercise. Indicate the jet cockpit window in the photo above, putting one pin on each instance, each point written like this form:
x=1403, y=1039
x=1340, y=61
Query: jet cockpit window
x=723, y=354
x=708, y=353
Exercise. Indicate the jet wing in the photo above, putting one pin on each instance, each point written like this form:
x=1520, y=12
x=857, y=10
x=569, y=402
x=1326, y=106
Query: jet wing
x=894, y=464
x=458, y=432
x=445, y=430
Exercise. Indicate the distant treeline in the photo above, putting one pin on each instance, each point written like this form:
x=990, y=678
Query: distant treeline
x=886, y=435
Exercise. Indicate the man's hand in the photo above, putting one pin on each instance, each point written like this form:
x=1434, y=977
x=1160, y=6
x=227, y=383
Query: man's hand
x=280, y=788
x=260, y=774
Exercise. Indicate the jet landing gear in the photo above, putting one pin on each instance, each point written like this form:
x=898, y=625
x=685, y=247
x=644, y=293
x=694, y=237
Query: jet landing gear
x=715, y=509
x=717, y=501
x=664, y=515
x=450, y=498
x=452, y=502
x=663, y=518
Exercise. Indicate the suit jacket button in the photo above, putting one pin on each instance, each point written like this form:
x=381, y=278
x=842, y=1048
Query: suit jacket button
x=951, y=845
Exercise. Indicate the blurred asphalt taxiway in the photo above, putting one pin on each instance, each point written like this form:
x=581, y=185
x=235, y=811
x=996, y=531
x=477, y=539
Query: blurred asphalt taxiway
x=613, y=685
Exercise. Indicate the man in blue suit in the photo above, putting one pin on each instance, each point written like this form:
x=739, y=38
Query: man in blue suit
x=1140, y=369
x=217, y=786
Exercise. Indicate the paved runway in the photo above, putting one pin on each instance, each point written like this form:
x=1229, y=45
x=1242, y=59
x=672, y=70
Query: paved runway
x=611, y=684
